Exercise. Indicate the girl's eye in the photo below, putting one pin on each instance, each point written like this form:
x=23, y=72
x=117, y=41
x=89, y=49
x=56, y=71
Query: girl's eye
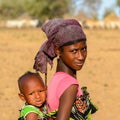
x=84, y=49
x=73, y=51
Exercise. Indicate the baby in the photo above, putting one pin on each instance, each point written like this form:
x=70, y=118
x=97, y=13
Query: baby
x=33, y=92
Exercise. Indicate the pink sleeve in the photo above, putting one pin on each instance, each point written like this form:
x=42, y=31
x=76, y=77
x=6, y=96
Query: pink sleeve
x=64, y=84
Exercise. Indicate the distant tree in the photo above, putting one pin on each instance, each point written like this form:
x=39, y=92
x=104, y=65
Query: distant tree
x=118, y=4
x=40, y=9
x=46, y=9
x=90, y=7
x=11, y=9
x=108, y=11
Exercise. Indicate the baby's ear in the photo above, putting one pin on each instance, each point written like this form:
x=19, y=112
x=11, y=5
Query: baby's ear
x=21, y=96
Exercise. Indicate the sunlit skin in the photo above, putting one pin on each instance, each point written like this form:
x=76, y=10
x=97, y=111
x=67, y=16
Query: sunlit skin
x=33, y=92
x=71, y=60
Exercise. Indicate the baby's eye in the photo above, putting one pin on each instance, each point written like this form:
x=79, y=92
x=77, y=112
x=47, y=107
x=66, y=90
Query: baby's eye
x=30, y=93
x=41, y=91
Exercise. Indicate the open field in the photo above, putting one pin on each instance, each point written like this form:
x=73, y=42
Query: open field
x=101, y=73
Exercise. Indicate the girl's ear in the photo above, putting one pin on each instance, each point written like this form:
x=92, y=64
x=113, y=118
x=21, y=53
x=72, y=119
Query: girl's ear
x=57, y=50
x=21, y=96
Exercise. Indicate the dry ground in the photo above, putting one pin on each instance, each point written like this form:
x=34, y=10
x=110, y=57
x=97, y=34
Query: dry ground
x=100, y=74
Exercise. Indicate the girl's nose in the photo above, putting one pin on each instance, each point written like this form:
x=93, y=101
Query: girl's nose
x=80, y=55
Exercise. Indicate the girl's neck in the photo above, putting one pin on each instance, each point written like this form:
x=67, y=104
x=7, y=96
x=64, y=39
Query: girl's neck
x=61, y=67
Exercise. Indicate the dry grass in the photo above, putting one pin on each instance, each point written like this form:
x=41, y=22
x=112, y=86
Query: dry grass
x=100, y=73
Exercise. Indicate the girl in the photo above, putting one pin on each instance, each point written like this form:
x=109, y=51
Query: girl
x=66, y=40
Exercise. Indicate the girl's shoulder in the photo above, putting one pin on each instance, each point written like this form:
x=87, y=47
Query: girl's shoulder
x=63, y=75
x=60, y=78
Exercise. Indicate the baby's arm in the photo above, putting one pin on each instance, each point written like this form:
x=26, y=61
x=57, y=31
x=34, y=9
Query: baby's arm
x=31, y=116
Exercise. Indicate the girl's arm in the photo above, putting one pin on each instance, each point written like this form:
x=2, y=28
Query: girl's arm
x=66, y=101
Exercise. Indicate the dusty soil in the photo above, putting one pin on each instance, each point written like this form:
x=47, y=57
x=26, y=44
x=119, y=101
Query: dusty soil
x=101, y=73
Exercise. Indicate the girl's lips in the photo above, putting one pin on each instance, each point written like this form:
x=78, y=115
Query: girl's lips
x=79, y=63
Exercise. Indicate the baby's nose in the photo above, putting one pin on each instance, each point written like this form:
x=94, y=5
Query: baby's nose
x=37, y=95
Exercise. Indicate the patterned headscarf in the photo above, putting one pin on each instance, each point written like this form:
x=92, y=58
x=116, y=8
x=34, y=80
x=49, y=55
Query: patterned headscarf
x=58, y=32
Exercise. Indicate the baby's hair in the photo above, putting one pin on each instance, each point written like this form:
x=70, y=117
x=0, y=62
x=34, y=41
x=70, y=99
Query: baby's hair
x=26, y=75
x=29, y=74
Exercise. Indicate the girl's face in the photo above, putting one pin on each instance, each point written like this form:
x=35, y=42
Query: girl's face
x=74, y=55
x=34, y=93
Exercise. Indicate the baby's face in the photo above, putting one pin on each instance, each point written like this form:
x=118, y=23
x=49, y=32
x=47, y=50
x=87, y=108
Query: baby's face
x=34, y=92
